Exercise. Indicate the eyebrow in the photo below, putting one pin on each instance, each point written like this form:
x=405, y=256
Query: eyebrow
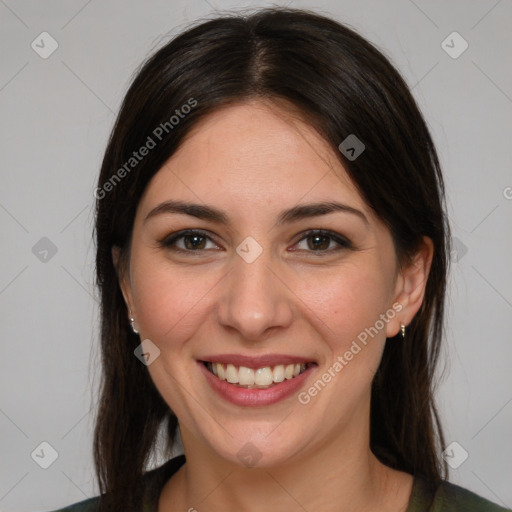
x=217, y=216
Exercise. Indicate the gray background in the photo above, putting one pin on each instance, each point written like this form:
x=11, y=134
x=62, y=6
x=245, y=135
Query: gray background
x=56, y=114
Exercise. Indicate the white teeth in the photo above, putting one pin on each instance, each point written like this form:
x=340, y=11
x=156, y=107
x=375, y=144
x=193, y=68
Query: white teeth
x=220, y=371
x=231, y=374
x=278, y=373
x=246, y=376
x=263, y=377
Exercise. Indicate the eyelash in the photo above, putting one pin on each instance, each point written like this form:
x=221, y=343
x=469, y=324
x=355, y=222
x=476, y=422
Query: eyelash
x=169, y=241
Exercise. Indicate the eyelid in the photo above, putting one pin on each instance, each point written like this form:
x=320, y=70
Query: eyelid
x=168, y=240
x=343, y=242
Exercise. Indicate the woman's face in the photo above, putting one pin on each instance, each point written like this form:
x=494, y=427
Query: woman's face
x=254, y=288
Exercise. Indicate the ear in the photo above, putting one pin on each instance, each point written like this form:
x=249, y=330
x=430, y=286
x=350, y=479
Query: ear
x=410, y=287
x=123, y=276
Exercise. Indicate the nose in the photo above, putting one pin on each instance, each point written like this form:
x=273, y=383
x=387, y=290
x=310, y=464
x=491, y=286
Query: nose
x=255, y=300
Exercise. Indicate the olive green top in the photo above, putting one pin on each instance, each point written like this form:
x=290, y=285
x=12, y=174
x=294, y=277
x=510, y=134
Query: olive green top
x=446, y=497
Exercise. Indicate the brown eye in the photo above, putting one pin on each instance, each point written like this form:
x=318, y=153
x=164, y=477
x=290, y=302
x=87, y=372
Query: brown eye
x=193, y=242
x=323, y=242
x=318, y=242
x=189, y=241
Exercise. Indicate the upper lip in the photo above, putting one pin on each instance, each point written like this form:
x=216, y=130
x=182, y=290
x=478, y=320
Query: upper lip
x=256, y=362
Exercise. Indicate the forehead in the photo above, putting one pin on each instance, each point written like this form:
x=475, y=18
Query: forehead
x=253, y=155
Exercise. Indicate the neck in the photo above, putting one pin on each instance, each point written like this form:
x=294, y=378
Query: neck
x=340, y=475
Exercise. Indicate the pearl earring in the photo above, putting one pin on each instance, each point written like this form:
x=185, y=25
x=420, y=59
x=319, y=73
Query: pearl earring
x=132, y=323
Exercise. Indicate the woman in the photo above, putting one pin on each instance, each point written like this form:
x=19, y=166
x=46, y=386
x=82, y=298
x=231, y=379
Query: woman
x=272, y=257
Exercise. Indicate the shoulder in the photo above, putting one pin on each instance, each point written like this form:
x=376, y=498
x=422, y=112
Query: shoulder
x=89, y=505
x=153, y=482
x=454, y=498
x=448, y=497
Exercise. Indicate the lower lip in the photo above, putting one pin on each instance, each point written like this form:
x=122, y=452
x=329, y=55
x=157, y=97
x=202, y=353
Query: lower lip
x=255, y=397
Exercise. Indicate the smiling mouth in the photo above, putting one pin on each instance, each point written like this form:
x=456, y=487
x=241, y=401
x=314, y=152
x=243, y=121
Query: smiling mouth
x=259, y=378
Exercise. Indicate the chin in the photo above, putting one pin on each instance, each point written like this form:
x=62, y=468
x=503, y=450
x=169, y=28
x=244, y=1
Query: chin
x=255, y=444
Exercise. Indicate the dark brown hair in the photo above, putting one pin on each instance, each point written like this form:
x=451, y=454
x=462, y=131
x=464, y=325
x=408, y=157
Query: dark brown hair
x=342, y=85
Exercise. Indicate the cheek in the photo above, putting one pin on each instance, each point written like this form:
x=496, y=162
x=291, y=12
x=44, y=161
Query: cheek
x=345, y=303
x=345, y=308
x=169, y=301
